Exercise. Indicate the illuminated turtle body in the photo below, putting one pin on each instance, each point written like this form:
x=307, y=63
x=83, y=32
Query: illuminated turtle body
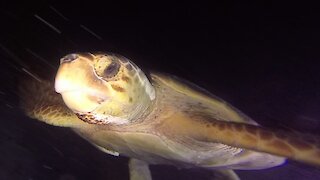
x=111, y=103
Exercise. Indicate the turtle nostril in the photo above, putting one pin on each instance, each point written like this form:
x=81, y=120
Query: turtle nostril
x=68, y=58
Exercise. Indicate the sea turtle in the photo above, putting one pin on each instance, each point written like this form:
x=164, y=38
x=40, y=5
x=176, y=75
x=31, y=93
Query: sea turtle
x=109, y=101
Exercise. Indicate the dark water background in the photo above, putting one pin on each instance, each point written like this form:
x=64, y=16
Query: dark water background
x=262, y=58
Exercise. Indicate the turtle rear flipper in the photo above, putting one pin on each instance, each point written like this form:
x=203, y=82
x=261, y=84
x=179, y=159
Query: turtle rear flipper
x=224, y=174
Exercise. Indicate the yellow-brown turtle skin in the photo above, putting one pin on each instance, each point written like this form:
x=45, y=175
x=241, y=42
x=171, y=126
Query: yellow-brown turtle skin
x=180, y=126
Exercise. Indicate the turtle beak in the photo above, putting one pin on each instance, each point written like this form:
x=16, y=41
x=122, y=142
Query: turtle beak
x=79, y=86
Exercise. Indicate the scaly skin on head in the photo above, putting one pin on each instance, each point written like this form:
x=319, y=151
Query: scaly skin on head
x=103, y=88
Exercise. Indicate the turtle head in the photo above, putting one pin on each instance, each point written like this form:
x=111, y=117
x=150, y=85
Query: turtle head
x=103, y=88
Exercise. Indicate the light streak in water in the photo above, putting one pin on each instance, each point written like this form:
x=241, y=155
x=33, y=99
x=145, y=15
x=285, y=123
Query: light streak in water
x=91, y=32
x=30, y=74
x=48, y=24
x=39, y=57
x=59, y=13
x=14, y=57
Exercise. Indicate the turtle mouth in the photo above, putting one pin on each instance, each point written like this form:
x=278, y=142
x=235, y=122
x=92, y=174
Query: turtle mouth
x=83, y=101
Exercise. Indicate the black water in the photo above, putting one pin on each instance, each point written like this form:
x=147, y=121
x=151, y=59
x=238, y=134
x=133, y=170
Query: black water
x=262, y=58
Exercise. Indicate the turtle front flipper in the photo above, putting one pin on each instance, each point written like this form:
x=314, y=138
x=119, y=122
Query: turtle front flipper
x=39, y=101
x=139, y=170
x=206, y=129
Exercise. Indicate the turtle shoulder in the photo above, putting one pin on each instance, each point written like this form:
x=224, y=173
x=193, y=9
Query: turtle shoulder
x=39, y=101
x=210, y=104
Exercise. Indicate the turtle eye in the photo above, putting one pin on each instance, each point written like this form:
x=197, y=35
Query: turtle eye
x=111, y=70
x=107, y=66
